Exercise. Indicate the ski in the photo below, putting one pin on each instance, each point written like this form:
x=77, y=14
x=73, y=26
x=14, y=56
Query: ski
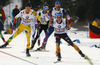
x=5, y=47
x=39, y=51
x=57, y=61
x=89, y=60
x=36, y=51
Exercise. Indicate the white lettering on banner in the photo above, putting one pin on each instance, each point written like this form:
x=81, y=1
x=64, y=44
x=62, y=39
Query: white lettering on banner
x=59, y=30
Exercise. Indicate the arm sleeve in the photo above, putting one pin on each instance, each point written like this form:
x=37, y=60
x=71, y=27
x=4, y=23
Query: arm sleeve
x=65, y=13
x=68, y=21
x=50, y=11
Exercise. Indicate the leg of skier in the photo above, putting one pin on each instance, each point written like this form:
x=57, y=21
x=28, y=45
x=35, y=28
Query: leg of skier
x=39, y=35
x=35, y=39
x=58, y=50
x=28, y=33
x=39, y=41
x=18, y=31
x=34, y=29
x=49, y=32
x=2, y=37
x=67, y=39
x=45, y=30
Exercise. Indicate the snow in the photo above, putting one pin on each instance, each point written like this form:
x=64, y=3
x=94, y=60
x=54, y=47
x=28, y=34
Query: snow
x=69, y=55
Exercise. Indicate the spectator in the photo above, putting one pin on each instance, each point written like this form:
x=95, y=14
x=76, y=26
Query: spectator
x=14, y=13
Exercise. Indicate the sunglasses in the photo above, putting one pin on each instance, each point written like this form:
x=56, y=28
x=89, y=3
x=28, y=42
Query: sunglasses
x=57, y=5
x=46, y=8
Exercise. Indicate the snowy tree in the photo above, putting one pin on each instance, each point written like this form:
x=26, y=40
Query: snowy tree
x=4, y=2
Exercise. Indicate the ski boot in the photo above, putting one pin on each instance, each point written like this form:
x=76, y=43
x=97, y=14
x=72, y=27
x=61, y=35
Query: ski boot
x=27, y=53
x=58, y=57
x=39, y=49
x=4, y=45
x=86, y=57
x=82, y=55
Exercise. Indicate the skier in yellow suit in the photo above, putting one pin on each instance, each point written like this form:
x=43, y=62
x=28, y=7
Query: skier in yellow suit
x=27, y=19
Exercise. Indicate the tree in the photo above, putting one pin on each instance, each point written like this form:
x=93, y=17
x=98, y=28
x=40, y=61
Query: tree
x=35, y=3
x=4, y=2
x=84, y=9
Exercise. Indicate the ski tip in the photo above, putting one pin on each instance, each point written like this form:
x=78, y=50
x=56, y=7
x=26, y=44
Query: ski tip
x=5, y=47
x=57, y=61
x=89, y=60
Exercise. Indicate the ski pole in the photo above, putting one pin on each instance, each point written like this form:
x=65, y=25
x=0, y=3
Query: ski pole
x=73, y=32
x=1, y=22
x=2, y=37
x=87, y=29
x=17, y=57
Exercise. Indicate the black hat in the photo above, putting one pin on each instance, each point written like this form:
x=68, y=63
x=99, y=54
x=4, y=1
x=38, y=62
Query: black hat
x=28, y=5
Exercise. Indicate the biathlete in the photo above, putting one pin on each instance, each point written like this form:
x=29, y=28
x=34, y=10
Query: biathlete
x=52, y=14
x=34, y=28
x=60, y=25
x=27, y=18
x=43, y=20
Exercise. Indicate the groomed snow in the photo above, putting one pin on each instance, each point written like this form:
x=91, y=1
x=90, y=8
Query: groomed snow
x=69, y=55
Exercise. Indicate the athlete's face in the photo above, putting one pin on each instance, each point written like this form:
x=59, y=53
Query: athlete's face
x=59, y=18
x=57, y=6
x=27, y=8
x=45, y=11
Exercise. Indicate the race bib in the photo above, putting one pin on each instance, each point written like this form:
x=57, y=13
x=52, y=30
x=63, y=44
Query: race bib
x=59, y=30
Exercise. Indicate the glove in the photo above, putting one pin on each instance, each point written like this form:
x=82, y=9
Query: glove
x=14, y=20
x=68, y=28
x=69, y=22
